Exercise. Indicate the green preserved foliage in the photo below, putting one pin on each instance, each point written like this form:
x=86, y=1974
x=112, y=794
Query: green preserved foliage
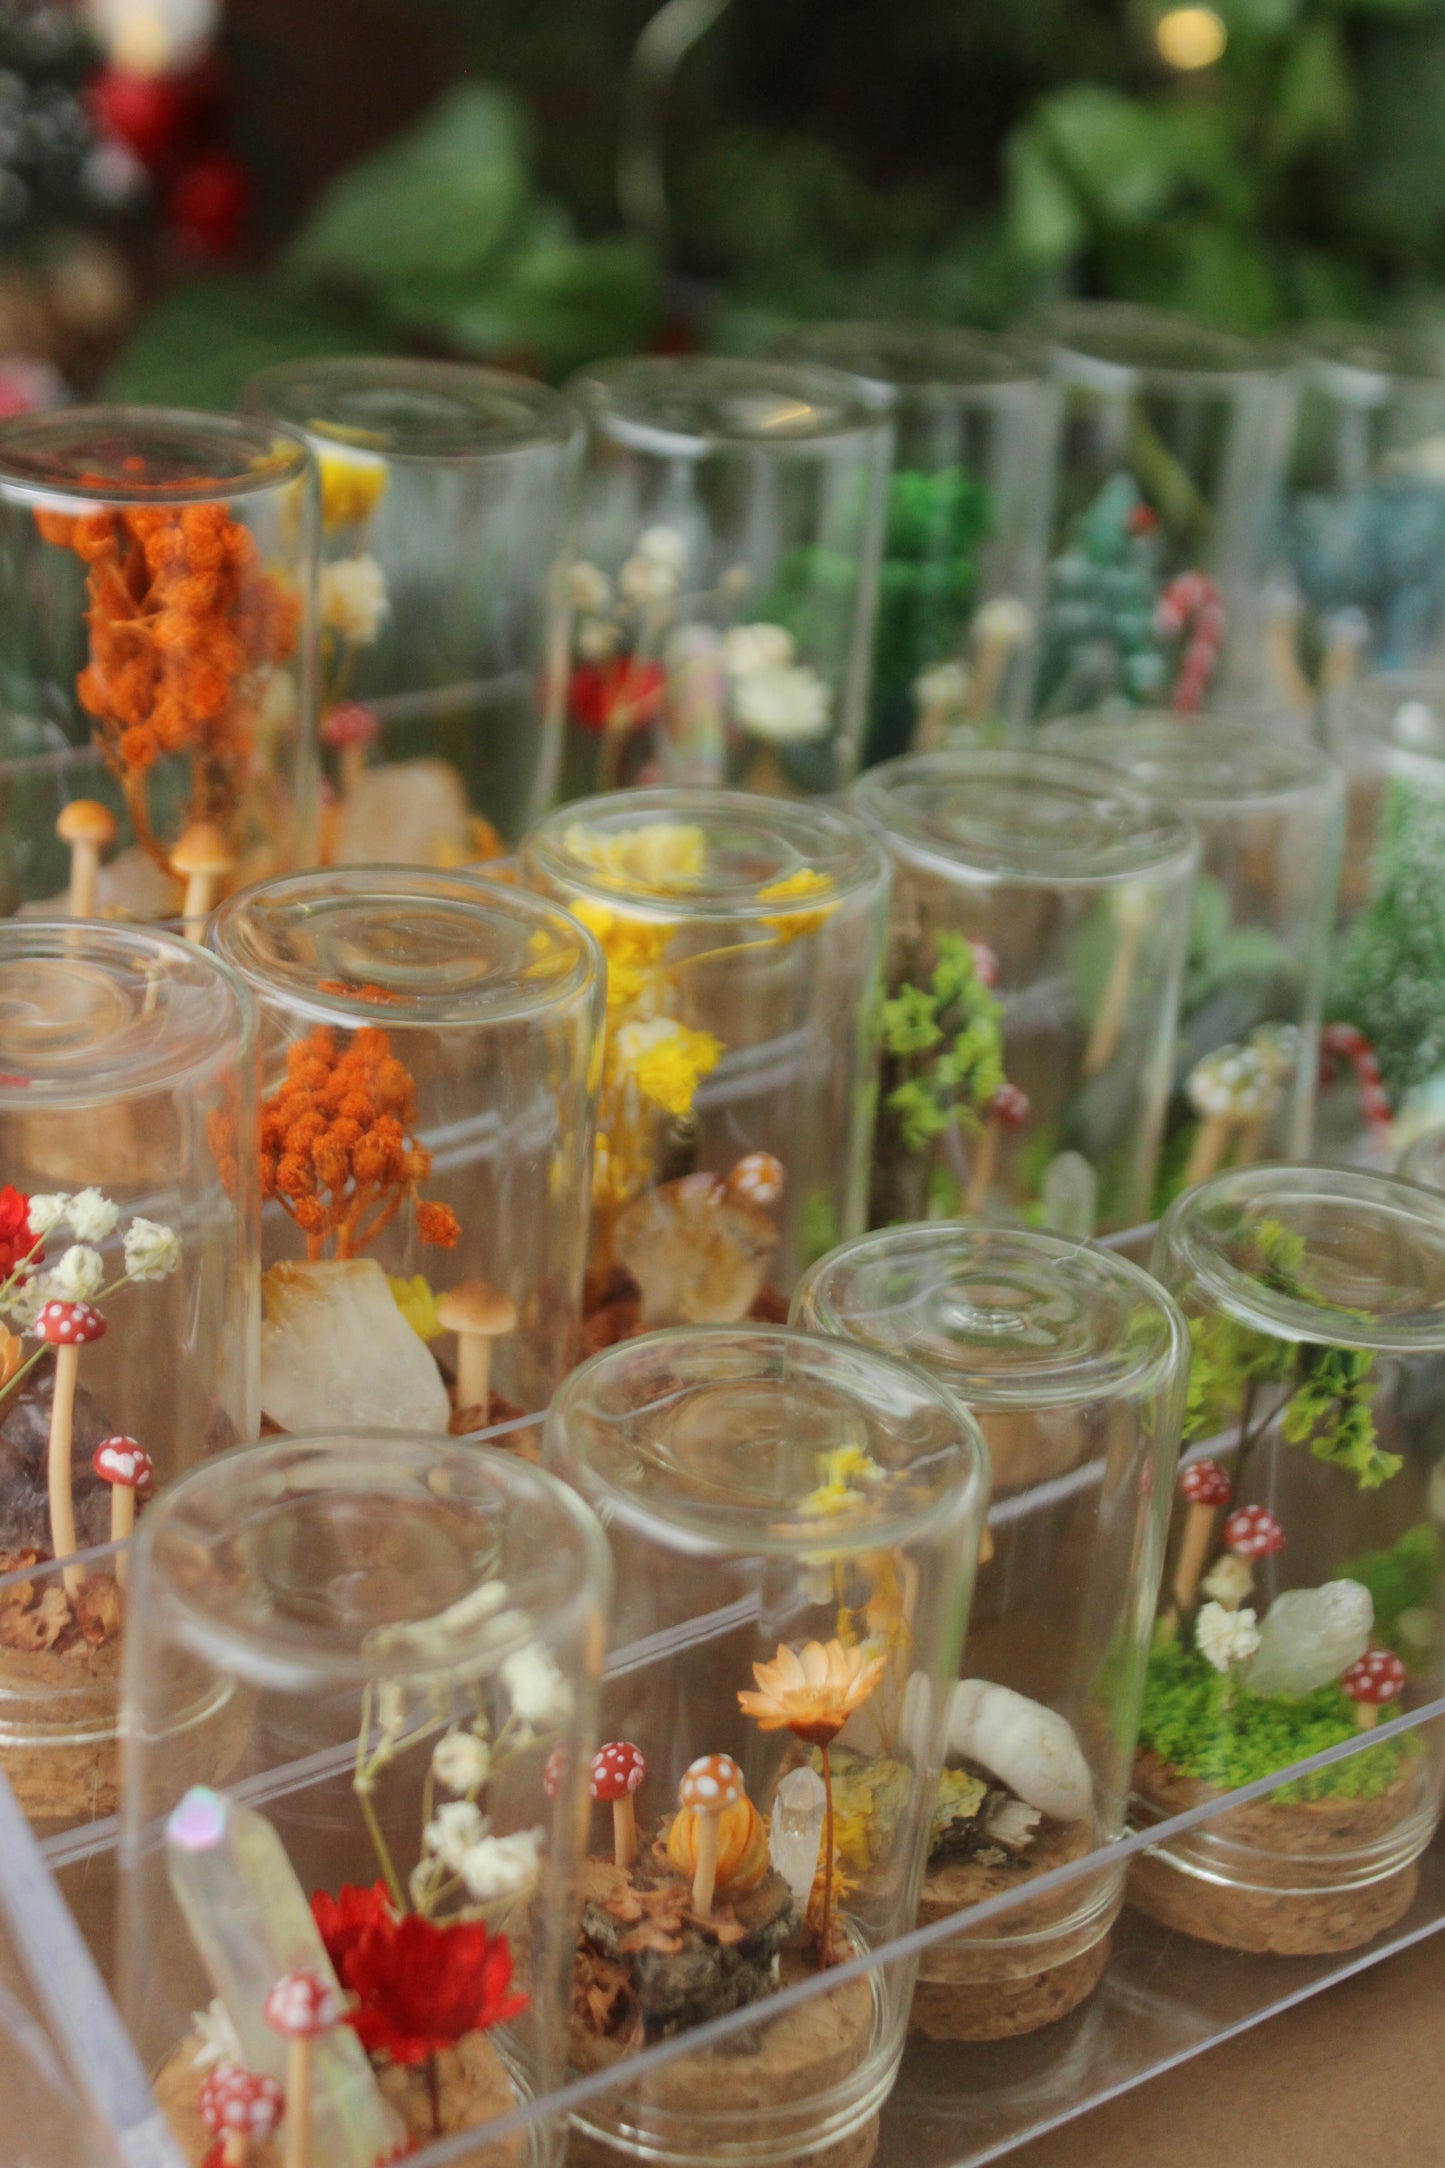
x=1390, y=976
x=1404, y=1579
x=945, y=1046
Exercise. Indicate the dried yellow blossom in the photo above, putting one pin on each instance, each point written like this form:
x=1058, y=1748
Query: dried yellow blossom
x=658, y=855
x=666, y=1061
x=805, y=882
x=351, y=488
x=417, y=1303
x=848, y=1475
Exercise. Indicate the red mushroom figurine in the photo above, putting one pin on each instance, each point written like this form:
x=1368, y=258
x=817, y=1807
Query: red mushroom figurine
x=1253, y=1532
x=758, y=1177
x=1008, y=1109
x=351, y=730
x=617, y=1771
x=127, y=1467
x=1205, y=1487
x=555, y=1771
x=68, y=1327
x=241, y=2108
x=301, y=2006
x=1377, y=1678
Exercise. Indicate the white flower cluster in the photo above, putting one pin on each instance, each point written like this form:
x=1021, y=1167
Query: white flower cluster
x=152, y=1252
x=775, y=697
x=494, y=1870
x=351, y=598
x=1225, y=1638
x=643, y=600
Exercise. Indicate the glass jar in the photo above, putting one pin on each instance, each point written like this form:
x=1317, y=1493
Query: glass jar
x=1315, y=1604
x=1424, y=1162
x=1270, y=815
x=128, y=1302
x=744, y=947
x=1041, y=913
x=430, y=1048
x=1074, y=1364
x=157, y=577
x=360, y=1701
x=727, y=575
x=1173, y=440
x=1385, y=1005
x=976, y=426
x=793, y=1525
x=447, y=495
x=1360, y=528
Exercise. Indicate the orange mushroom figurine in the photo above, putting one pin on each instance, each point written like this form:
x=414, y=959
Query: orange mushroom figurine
x=301, y=2006
x=128, y=1469
x=617, y=1772
x=202, y=859
x=709, y=1786
x=87, y=826
x=478, y=1314
x=241, y=2108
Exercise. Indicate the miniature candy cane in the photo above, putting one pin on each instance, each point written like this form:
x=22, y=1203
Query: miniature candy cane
x=1192, y=603
x=1346, y=1042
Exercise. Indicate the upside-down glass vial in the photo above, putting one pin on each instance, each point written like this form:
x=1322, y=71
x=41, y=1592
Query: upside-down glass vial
x=793, y=1524
x=1040, y=924
x=129, y=1306
x=360, y=1703
x=430, y=1046
x=447, y=499
x=726, y=578
x=1270, y=815
x=157, y=574
x=1306, y=1582
x=1073, y=1363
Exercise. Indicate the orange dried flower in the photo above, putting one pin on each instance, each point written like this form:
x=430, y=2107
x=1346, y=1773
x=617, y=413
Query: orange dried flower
x=337, y=1145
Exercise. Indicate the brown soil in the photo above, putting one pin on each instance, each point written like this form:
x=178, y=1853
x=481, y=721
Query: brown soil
x=619, y=1317
x=60, y=1784
x=993, y=1992
x=473, y=2088
x=1308, y=1922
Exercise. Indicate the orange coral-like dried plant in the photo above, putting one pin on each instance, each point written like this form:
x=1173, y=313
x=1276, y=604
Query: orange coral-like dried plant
x=338, y=1145
x=183, y=626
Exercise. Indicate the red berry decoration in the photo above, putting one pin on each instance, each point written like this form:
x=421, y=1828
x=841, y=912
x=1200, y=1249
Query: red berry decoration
x=1253, y=1532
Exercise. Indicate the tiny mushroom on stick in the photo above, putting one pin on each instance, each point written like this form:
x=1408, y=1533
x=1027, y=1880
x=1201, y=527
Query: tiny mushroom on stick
x=128, y=1468
x=1206, y=1487
x=1008, y=1109
x=241, y=2108
x=1228, y=1090
x=201, y=859
x=617, y=1771
x=87, y=826
x=300, y=2006
x=350, y=730
x=478, y=1314
x=712, y=1783
x=1253, y=1532
x=67, y=1327
x=758, y=1177
x=1376, y=1678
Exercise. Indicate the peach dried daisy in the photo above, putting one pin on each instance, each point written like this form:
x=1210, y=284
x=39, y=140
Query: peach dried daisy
x=813, y=1694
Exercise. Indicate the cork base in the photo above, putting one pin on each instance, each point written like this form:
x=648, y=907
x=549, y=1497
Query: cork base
x=855, y=2151
x=62, y=1782
x=473, y=2088
x=996, y=1989
x=1313, y=1921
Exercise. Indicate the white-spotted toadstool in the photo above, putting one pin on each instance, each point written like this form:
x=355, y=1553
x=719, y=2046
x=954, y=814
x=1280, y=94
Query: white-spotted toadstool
x=617, y=1771
x=709, y=1785
x=87, y=826
x=67, y=1327
x=1376, y=1678
x=757, y=1177
x=350, y=731
x=128, y=1469
x=1253, y=1532
x=478, y=1314
x=241, y=2108
x=301, y=2007
x=1008, y=1109
x=201, y=859
x=1206, y=1488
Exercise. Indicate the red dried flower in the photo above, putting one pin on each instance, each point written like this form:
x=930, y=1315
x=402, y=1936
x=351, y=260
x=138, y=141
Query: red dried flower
x=421, y=1987
x=17, y=1238
x=343, y=1920
x=599, y=692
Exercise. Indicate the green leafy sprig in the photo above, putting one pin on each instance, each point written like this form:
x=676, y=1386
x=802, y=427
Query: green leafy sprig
x=947, y=1040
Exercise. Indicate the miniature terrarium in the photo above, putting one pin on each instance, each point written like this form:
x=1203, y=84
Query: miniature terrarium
x=1359, y=542
x=128, y=1308
x=793, y=1524
x=360, y=1696
x=1074, y=1364
x=429, y=1054
x=1270, y=815
x=1304, y=1598
x=1172, y=440
x=744, y=946
x=726, y=575
x=447, y=498
x=156, y=725
x=1385, y=1003
x=976, y=424
x=1041, y=919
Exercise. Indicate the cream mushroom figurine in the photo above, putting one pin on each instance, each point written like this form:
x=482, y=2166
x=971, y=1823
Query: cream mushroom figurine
x=1228, y=1089
x=202, y=859
x=67, y=1327
x=87, y=826
x=478, y=1314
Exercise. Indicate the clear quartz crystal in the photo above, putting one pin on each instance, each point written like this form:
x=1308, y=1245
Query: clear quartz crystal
x=336, y=1353
x=796, y=1830
x=1309, y=1636
x=252, y=1926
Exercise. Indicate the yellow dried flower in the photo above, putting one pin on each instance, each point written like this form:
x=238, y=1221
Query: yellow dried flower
x=417, y=1303
x=666, y=1061
x=805, y=882
x=657, y=855
x=351, y=488
x=848, y=1475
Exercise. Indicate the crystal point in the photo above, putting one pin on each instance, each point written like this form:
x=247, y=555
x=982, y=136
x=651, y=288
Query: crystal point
x=1309, y=1636
x=796, y=1830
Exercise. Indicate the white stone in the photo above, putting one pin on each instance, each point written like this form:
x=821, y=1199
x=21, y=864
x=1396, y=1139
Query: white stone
x=795, y=1831
x=405, y=813
x=1309, y=1636
x=337, y=1354
x=1029, y=1748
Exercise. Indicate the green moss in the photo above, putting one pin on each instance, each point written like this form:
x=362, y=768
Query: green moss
x=1406, y=1577
x=1209, y=1727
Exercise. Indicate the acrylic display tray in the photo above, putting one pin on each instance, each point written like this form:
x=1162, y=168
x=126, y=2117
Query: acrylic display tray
x=1163, y=1998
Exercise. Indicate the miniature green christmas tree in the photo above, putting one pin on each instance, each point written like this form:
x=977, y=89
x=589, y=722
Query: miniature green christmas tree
x=1390, y=974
